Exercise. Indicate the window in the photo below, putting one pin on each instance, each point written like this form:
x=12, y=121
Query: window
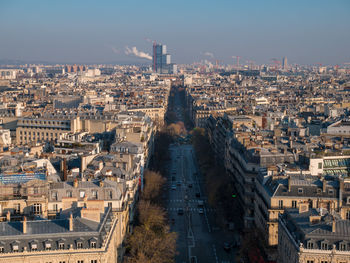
x=82, y=194
x=324, y=261
x=2, y=249
x=79, y=244
x=17, y=208
x=300, y=190
x=93, y=261
x=62, y=261
x=36, y=209
x=348, y=215
x=93, y=244
x=34, y=247
x=310, y=245
x=80, y=261
x=36, y=190
x=324, y=246
x=110, y=194
x=14, y=248
x=55, y=207
x=280, y=204
x=342, y=246
x=330, y=191
x=48, y=246
x=309, y=261
x=319, y=165
x=60, y=245
x=54, y=195
x=69, y=193
x=94, y=194
x=294, y=204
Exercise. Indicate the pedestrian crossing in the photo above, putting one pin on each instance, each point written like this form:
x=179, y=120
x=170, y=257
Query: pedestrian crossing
x=193, y=209
x=182, y=201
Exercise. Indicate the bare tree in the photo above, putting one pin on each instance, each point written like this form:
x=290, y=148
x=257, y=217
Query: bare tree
x=153, y=185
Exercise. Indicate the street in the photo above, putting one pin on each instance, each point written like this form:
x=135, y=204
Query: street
x=199, y=239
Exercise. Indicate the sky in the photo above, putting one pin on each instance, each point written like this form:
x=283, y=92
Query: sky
x=101, y=31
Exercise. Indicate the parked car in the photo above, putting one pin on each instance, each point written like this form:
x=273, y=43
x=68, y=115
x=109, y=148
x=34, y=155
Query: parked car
x=200, y=210
x=180, y=211
x=173, y=187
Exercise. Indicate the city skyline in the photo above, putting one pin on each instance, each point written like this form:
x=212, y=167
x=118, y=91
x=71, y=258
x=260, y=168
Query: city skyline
x=109, y=32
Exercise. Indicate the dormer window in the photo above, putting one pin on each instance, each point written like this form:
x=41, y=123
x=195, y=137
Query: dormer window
x=330, y=191
x=2, y=249
x=34, y=247
x=15, y=248
x=79, y=244
x=48, y=246
x=324, y=245
x=300, y=190
x=310, y=244
x=348, y=200
x=319, y=191
x=342, y=246
x=93, y=244
x=60, y=245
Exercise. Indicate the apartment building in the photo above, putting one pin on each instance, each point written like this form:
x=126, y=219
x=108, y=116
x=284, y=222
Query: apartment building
x=91, y=236
x=312, y=236
x=45, y=129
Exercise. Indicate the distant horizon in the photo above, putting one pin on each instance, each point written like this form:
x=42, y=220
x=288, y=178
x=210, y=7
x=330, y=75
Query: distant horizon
x=306, y=32
x=15, y=62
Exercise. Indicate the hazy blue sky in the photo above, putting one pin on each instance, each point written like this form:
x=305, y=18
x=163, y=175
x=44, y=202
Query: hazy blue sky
x=74, y=31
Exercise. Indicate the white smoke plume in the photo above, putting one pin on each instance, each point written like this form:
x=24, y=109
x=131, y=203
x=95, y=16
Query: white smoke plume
x=137, y=53
x=209, y=54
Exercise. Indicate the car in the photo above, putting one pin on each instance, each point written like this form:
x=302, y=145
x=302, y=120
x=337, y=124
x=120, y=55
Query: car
x=198, y=194
x=200, y=210
x=189, y=185
x=227, y=246
x=180, y=211
x=173, y=187
x=173, y=178
x=178, y=183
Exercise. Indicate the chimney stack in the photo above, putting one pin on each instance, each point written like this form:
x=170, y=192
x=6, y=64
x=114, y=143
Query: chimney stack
x=289, y=184
x=75, y=183
x=8, y=216
x=324, y=184
x=333, y=226
x=71, y=222
x=25, y=225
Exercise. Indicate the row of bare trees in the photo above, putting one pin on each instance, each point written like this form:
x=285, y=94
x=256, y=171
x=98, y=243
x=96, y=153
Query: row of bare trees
x=151, y=241
x=219, y=185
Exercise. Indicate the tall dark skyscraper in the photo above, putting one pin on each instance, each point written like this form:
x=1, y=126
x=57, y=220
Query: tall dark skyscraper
x=284, y=63
x=161, y=61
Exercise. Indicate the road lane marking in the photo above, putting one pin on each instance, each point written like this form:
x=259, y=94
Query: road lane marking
x=216, y=256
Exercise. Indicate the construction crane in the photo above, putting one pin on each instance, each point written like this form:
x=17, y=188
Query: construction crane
x=237, y=60
x=276, y=63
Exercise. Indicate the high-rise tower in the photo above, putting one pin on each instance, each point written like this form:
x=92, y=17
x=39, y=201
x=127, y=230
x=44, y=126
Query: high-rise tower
x=284, y=63
x=161, y=61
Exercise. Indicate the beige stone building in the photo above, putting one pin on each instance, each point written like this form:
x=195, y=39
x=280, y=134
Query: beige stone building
x=313, y=236
x=276, y=193
x=90, y=237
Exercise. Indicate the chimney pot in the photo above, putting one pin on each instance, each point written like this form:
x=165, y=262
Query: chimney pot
x=75, y=184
